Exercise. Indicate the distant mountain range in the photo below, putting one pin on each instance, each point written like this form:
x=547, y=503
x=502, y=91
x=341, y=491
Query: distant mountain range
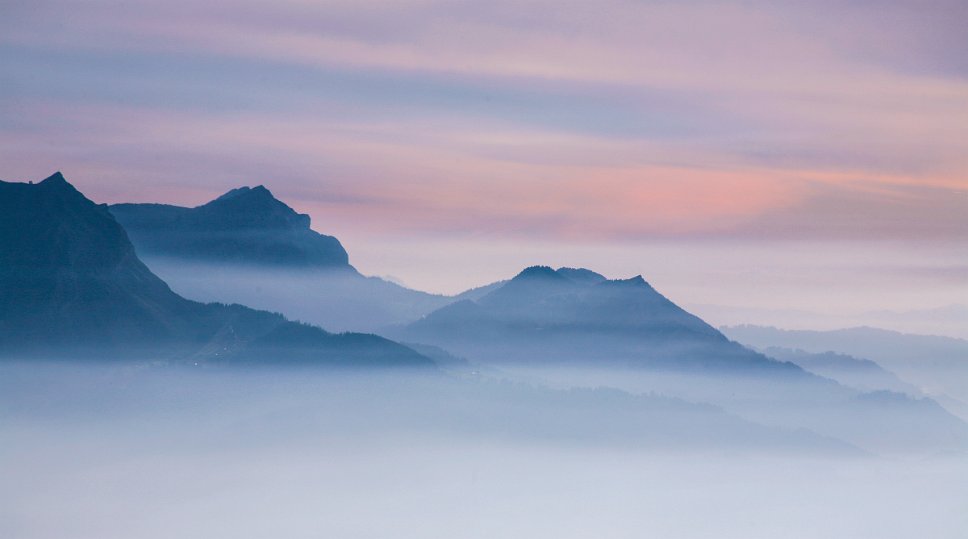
x=72, y=286
x=862, y=374
x=935, y=364
x=949, y=320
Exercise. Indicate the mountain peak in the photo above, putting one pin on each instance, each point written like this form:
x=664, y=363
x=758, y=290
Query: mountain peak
x=636, y=281
x=581, y=275
x=57, y=182
x=258, y=191
x=54, y=179
x=253, y=208
x=50, y=227
x=246, y=225
x=547, y=315
x=537, y=272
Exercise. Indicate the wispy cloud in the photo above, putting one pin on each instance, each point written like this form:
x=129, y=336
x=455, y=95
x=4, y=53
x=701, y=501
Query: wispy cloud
x=573, y=120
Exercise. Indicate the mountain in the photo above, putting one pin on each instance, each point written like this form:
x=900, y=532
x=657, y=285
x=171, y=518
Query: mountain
x=248, y=247
x=935, y=364
x=948, y=320
x=862, y=374
x=72, y=286
x=478, y=292
x=576, y=315
x=576, y=328
x=244, y=226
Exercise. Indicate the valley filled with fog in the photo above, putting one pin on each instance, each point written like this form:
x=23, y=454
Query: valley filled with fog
x=113, y=451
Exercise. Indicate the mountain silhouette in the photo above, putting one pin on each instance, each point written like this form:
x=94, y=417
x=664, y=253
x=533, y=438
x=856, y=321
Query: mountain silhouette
x=263, y=253
x=862, y=374
x=937, y=365
x=574, y=327
x=577, y=315
x=72, y=286
x=245, y=225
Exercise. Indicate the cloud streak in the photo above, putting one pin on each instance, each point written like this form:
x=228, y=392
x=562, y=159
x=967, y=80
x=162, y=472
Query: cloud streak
x=536, y=119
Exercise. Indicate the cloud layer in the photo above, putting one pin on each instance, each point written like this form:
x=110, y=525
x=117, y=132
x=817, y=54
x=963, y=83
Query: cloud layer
x=610, y=121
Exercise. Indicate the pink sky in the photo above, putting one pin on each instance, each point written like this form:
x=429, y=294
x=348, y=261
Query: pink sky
x=546, y=126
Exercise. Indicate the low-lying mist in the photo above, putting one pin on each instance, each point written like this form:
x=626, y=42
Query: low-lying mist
x=337, y=300
x=119, y=451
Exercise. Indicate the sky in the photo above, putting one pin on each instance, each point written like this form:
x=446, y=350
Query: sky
x=781, y=155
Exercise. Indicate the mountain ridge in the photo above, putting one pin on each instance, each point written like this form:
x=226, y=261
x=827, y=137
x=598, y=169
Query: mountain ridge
x=72, y=284
x=246, y=225
x=265, y=254
x=575, y=314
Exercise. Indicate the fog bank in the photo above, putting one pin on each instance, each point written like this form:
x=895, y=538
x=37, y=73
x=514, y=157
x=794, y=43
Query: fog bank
x=121, y=452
